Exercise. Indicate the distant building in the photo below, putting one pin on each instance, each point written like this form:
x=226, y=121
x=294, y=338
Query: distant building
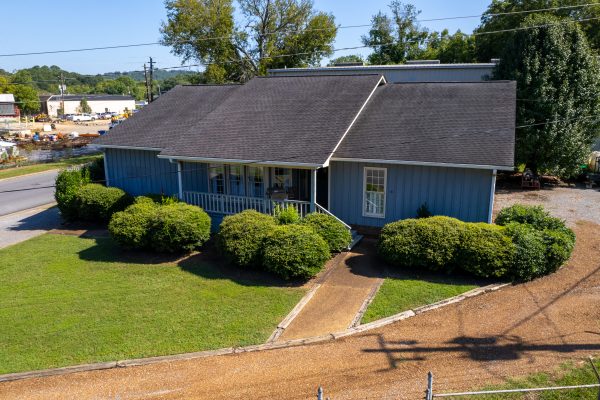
x=8, y=107
x=412, y=71
x=99, y=103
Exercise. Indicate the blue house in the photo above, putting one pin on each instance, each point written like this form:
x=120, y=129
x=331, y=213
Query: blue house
x=367, y=151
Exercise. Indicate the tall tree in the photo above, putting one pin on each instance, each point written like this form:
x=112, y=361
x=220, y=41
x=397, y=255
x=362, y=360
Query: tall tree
x=508, y=14
x=269, y=34
x=396, y=38
x=456, y=48
x=558, y=92
x=350, y=58
x=84, y=107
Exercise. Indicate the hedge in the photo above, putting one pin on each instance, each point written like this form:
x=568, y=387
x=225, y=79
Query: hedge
x=98, y=203
x=529, y=260
x=67, y=184
x=179, y=227
x=336, y=235
x=535, y=216
x=241, y=235
x=286, y=215
x=294, y=252
x=485, y=250
x=131, y=228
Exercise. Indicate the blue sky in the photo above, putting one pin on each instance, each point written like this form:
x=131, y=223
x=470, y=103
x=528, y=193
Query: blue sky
x=38, y=25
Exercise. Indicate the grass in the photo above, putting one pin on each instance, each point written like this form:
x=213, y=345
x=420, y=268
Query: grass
x=566, y=375
x=405, y=291
x=67, y=300
x=33, y=168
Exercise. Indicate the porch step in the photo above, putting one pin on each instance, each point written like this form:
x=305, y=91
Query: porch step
x=356, y=238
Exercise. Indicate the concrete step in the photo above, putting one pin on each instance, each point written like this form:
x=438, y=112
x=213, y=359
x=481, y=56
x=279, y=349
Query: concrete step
x=356, y=238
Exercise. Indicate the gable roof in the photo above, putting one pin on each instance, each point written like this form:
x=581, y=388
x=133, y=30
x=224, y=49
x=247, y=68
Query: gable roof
x=471, y=124
x=284, y=120
x=158, y=124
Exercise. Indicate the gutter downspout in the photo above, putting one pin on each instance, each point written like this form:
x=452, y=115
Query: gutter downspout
x=492, y=192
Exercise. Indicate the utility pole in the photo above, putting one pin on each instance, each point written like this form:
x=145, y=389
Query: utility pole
x=147, y=86
x=151, y=80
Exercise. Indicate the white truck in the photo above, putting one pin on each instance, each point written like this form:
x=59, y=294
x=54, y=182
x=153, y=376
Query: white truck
x=84, y=117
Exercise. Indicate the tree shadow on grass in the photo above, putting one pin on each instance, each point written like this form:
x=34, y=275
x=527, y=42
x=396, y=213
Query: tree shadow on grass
x=207, y=263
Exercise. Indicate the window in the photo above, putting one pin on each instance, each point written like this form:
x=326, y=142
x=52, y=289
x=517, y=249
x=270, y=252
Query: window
x=236, y=180
x=256, y=182
x=374, y=192
x=282, y=178
x=216, y=178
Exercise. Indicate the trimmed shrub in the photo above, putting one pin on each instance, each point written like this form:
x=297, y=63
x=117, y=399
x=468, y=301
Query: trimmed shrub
x=421, y=243
x=68, y=182
x=179, y=227
x=559, y=246
x=159, y=198
x=529, y=259
x=98, y=203
x=294, y=251
x=535, y=216
x=336, y=235
x=95, y=169
x=241, y=235
x=131, y=228
x=286, y=215
x=485, y=250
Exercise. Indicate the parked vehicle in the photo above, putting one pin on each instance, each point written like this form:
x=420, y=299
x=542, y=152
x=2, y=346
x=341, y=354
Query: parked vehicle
x=84, y=117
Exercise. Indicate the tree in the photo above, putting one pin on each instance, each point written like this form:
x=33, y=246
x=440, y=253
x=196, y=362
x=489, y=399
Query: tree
x=397, y=38
x=84, y=107
x=456, y=48
x=558, y=92
x=495, y=19
x=270, y=34
x=351, y=58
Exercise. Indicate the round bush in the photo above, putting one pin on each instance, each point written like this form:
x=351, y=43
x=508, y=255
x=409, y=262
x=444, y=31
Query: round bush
x=241, y=235
x=131, y=228
x=98, y=203
x=294, y=251
x=422, y=243
x=535, y=216
x=559, y=246
x=67, y=184
x=485, y=250
x=336, y=235
x=529, y=259
x=286, y=215
x=179, y=227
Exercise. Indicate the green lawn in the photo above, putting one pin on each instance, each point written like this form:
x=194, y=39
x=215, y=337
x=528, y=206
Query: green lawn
x=66, y=300
x=33, y=168
x=567, y=375
x=405, y=291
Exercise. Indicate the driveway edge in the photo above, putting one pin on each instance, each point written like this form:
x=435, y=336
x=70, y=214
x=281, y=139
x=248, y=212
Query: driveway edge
x=246, y=349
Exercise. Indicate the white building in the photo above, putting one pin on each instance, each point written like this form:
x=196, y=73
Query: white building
x=99, y=103
x=8, y=109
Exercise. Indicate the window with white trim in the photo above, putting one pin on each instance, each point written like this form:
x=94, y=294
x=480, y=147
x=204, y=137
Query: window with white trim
x=374, y=192
x=216, y=178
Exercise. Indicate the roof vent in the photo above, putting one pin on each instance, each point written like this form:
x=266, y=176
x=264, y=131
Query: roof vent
x=422, y=62
x=349, y=64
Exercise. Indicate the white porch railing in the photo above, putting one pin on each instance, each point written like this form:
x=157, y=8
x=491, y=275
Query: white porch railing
x=228, y=204
x=320, y=209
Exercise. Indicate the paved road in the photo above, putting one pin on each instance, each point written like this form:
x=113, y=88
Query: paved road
x=22, y=193
x=23, y=225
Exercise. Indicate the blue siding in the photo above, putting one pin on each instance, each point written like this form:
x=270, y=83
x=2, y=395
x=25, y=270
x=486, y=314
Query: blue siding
x=194, y=177
x=140, y=172
x=456, y=192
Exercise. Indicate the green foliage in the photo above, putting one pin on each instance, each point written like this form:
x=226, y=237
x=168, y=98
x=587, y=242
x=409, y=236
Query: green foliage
x=294, y=252
x=423, y=211
x=241, y=236
x=336, y=235
x=158, y=199
x=68, y=182
x=179, y=227
x=96, y=170
x=529, y=259
x=535, y=216
x=286, y=215
x=559, y=246
x=251, y=45
x=98, y=203
x=485, y=250
x=558, y=80
x=132, y=228
x=351, y=58
x=429, y=243
x=455, y=48
x=84, y=107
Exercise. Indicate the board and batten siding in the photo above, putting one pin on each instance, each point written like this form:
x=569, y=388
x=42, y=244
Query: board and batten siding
x=461, y=193
x=140, y=172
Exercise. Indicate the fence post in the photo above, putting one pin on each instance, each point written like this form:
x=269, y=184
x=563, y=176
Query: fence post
x=320, y=393
x=429, y=393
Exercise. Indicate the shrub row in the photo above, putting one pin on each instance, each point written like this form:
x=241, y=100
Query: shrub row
x=285, y=244
x=171, y=228
x=532, y=244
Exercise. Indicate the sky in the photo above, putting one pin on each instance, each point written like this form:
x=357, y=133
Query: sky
x=38, y=25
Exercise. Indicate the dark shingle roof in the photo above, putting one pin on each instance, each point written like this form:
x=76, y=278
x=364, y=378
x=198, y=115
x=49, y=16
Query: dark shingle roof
x=455, y=123
x=160, y=123
x=282, y=120
x=89, y=97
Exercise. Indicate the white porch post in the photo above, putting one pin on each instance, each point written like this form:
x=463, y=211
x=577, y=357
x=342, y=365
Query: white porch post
x=313, y=190
x=492, y=193
x=179, y=180
x=106, y=169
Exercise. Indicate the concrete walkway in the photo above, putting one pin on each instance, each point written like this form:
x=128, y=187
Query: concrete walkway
x=20, y=226
x=342, y=292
